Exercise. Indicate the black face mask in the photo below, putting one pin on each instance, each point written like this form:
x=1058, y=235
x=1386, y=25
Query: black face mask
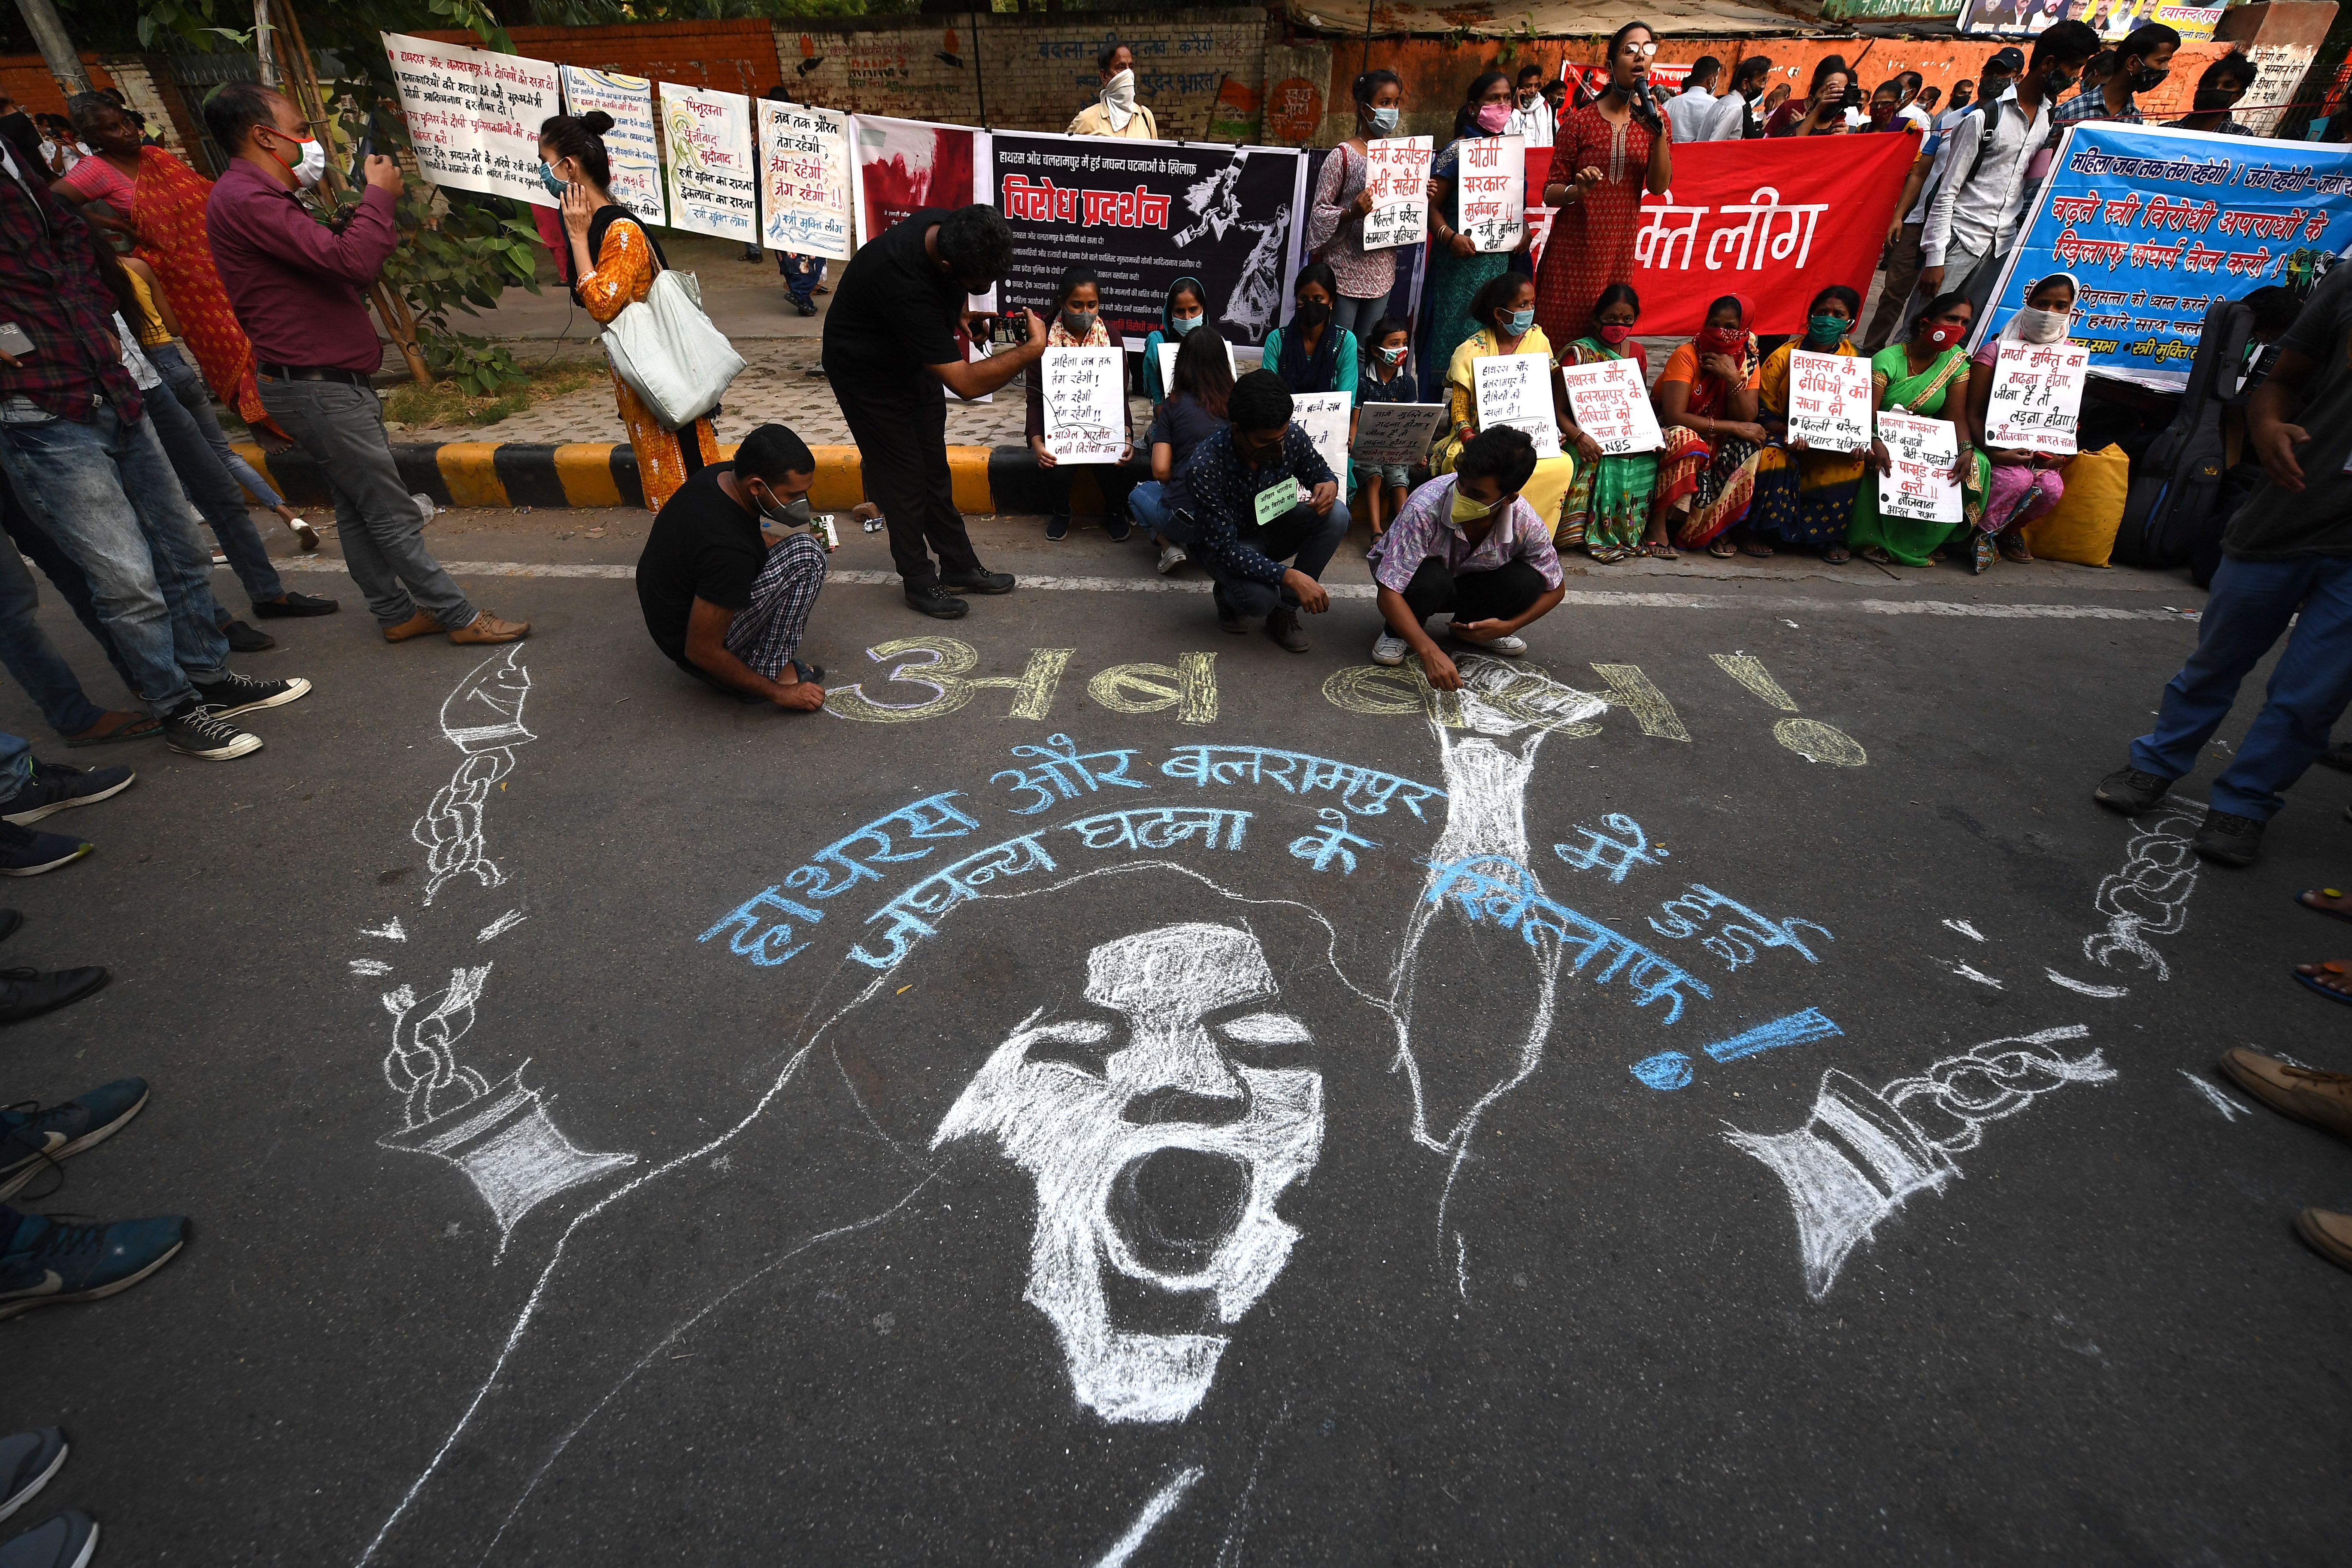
x=2055, y=80
x=2214, y=101
x=1311, y=314
x=2147, y=81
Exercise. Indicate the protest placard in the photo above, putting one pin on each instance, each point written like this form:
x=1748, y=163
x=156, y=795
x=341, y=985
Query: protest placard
x=804, y=180
x=2037, y=389
x=1515, y=390
x=1324, y=417
x=1168, y=364
x=1921, y=486
x=473, y=116
x=1829, y=401
x=1490, y=191
x=1611, y=404
x=631, y=145
x=712, y=187
x=1086, y=405
x=1396, y=432
x=1398, y=184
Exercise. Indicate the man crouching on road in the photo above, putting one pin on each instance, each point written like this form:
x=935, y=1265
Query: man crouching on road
x=1262, y=495
x=1467, y=543
x=726, y=605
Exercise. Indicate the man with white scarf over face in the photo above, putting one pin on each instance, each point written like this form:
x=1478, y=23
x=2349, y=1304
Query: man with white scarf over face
x=1117, y=114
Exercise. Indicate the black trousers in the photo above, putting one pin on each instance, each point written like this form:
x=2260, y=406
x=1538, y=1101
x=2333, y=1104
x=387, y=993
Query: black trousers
x=1499, y=594
x=1114, y=479
x=902, y=444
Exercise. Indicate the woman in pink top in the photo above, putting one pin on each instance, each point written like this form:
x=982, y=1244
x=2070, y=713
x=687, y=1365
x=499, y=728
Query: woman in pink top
x=1335, y=221
x=2025, y=485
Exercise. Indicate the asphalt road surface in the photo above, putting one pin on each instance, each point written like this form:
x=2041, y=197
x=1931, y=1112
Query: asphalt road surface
x=1726, y=1098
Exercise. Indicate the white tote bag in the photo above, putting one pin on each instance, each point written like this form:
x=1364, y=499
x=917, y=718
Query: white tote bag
x=670, y=354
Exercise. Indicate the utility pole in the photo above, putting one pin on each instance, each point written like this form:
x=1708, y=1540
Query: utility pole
x=56, y=49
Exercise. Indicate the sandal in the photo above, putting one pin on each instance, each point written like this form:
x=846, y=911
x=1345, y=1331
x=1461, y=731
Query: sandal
x=1877, y=557
x=1723, y=550
x=1836, y=555
x=1757, y=548
x=2013, y=548
x=2303, y=898
x=1661, y=550
x=2336, y=966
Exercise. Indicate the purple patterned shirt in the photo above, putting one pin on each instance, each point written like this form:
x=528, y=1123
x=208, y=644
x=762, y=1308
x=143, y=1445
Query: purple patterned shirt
x=1425, y=531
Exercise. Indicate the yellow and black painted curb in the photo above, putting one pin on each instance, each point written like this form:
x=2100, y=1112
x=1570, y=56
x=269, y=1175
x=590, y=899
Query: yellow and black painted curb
x=986, y=479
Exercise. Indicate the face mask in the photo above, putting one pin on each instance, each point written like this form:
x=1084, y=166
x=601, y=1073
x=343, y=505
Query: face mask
x=1615, y=333
x=313, y=168
x=1722, y=340
x=2041, y=326
x=1383, y=118
x=2144, y=80
x=2055, y=80
x=1493, y=117
x=1826, y=330
x=1079, y=323
x=1390, y=356
x=2218, y=99
x=1311, y=314
x=1468, y=510
x=1119, y=92
x=1180, y=325
x=795, y=515
x=1516, y=322
x=547, y=177
x=1944, y=335
x=1527, y=99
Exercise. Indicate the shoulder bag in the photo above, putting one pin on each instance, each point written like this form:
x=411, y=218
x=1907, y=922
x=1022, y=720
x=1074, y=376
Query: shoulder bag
x=668, y=352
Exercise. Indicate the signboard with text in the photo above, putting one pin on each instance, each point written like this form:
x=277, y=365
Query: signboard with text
x=474, y=116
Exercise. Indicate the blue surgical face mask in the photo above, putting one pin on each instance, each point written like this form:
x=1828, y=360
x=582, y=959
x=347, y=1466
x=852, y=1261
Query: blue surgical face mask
x=1520, y=321
x=1384, y=118
x=1180, y=325
x=547, y=177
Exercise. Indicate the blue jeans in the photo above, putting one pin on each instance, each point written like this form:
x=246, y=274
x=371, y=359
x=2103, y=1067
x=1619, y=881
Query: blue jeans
x=15, y=763
x=29, y=654
x=218, y=497
x=119, y=513
x=183, y=377
x=1297, y=536
x=27, y=528
x=1147, y=504
x=2249, y=606
x=801, y=275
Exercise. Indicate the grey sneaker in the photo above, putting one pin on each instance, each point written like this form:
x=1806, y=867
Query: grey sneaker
x=2229, y=839
x=67, y=1540
x=27, y=1461
x=195, y=730
x=1171, y=556
x=1389, y=649
x=2130, y=791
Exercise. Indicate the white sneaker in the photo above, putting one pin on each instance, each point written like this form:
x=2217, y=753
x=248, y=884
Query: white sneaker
x=1171, y=556
x=1507, y=647
x=1389, y=648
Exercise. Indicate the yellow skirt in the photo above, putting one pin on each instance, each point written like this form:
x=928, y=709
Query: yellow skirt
x=1546, y=489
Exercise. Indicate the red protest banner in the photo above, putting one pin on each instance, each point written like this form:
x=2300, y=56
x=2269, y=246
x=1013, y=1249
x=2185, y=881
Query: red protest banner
x=1777, y=221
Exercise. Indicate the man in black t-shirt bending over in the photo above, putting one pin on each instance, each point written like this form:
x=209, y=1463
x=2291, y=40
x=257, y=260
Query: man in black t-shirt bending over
x=890, y=348
x=725, y=604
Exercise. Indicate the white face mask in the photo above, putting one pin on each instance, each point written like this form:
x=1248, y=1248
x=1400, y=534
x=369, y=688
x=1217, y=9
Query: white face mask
x=1119, y=91
x=2042, y=326
x=312, y=166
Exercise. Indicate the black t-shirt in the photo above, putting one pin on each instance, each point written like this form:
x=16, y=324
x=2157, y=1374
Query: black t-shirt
x=892, y=313
x=702, y=546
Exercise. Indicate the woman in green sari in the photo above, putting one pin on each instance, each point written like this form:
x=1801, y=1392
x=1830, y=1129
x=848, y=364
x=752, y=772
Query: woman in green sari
x=1457, y=269
x=1609, y=503
x=1926, y=376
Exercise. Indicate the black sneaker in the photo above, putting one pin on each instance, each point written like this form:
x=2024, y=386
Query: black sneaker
x=2229, y=839
x=1228, y=618
x=25, y=853
x=54, y=787
x=295, y=603
x=67, y=1540
x=242, y=638
x=28, y=1461
x=933, y=599
x=1058, y=527
x=197, y=730
x=11, y=922
x=34, y=1138
x=46, y=1262
x=28, y=993
x=232, y=693
x=1117, y=530
x=2130, y=791
x=1283, y=628
x=979, y=582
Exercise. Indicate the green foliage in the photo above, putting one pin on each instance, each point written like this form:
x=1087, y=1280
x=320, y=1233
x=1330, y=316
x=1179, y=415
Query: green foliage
x=475, y=365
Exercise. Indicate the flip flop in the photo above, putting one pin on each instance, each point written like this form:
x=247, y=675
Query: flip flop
x=2311, y=982
x=1723, y=550
x=2326, y=893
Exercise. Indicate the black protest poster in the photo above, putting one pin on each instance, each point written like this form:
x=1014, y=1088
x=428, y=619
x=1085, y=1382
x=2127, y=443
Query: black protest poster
x=1144, y=214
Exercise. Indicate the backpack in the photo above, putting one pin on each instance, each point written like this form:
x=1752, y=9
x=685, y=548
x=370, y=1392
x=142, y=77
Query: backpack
x=2176, y=509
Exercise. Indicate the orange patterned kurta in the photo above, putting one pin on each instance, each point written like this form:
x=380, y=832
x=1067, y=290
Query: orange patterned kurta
x=625, y=270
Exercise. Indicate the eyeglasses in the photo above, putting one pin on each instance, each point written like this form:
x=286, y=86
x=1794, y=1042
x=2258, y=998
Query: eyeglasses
x=1645, y=50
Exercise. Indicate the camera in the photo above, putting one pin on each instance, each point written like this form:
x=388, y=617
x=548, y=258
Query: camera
x=1007, y=332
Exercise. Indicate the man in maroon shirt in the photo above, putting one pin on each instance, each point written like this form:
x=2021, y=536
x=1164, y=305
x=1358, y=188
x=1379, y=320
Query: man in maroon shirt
x=295, y=284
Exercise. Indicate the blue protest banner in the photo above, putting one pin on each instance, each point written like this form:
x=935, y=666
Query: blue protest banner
x=2156, y=223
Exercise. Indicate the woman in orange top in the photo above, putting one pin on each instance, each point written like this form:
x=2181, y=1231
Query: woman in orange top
x=614, y=262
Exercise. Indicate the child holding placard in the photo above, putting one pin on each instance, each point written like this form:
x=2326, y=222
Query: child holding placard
x=1506, y=312
x=1077, y=323
x=1383, y=485
x=1609, y=504
x=1805, y=497
x=2024, y=485
x=1184, y=310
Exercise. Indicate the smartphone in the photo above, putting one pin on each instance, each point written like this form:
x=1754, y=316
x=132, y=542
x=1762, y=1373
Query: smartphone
x=1008, y=332
x=13, y=342
x=359, y=155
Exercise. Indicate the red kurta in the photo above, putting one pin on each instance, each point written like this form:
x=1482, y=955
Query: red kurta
x=1592, y=243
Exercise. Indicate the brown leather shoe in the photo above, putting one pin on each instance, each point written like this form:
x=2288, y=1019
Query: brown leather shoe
x=487, y=628
x=419, y=625
x=2322, y=1099
x=2328, y=1234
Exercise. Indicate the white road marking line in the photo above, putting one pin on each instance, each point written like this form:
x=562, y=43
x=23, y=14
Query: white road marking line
x=1592, y=597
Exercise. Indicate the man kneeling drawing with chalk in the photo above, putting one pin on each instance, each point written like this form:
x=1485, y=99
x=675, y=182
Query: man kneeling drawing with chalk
x=724, y=603
x=1466, y=542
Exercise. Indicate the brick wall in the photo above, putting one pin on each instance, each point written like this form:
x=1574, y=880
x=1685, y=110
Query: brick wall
x=725, y=57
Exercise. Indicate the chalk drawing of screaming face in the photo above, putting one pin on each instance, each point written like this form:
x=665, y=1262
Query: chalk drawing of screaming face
x=1159, y=1158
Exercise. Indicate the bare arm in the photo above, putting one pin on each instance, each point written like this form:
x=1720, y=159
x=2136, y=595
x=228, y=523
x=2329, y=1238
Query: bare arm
x=1163, y=462
x=1662, y=158
x=969, y=379
x=706, y=649
x=1438, y=668
x=155, y=292
x=2270, y=415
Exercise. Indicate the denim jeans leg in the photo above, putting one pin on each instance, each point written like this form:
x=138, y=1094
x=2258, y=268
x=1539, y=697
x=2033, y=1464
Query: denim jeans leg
x=71, y=466
x=15, y=763
x=2308, y=691
x=184, y=565
x=1146, y=503
x=197, y=398
x=218, y=497
x=2249, y=606
x=33, y=659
